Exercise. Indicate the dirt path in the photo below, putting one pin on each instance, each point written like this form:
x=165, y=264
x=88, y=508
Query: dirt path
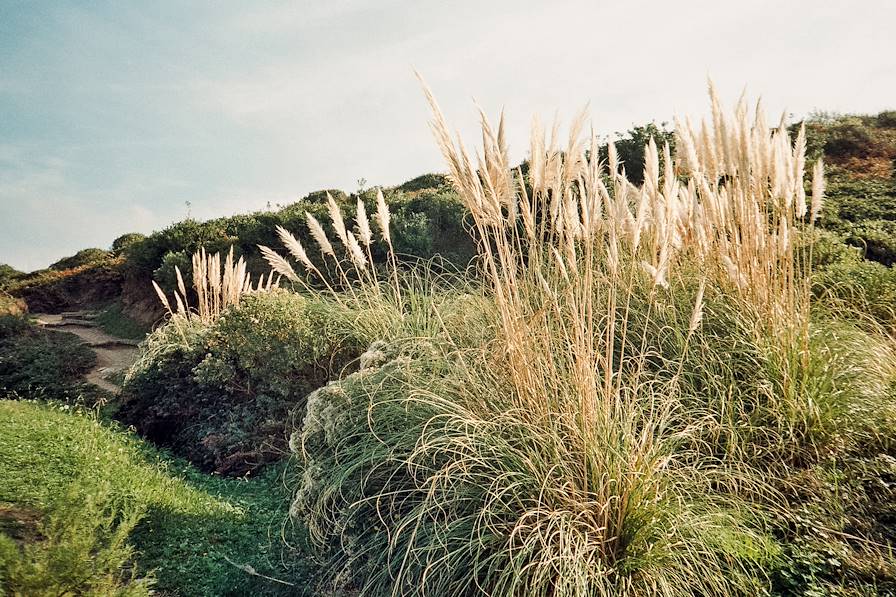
x=113, y=355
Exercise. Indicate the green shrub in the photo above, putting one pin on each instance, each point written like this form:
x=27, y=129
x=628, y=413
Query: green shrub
x=887, y=119
x=166, y=274
x=855, y=288
x=425, y=182
x=124, y=242
x=429, y=221
x=81, y=258
x=82, y=549
x=320, y=197
x=12, y=326
x=42, y=362
x=222, y=395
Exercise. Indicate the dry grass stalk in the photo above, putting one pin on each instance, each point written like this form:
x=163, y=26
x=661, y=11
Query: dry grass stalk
x=355, y=273
x=731, y=202
x=216, y=284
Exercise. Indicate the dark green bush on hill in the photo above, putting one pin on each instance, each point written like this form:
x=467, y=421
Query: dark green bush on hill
x=81, y=258
x=425, y=181
x=8, y=273
x=120, y=244
x=221, y=395
x=887, y=119
x=37, y=363
x=426, y=221
x=630, y=147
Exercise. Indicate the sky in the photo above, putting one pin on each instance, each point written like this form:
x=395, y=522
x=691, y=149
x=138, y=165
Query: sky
x=123, y=117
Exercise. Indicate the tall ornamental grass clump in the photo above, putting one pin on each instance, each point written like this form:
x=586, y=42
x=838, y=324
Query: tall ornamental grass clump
x=641, y=351
x=644, y=365
x=218, y=282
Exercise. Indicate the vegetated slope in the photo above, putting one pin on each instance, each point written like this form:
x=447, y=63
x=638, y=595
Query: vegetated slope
x=428, y=220
x=466, y=418
x=854, y=256
x=636, y=405
x=81, y=500
x=36, y=362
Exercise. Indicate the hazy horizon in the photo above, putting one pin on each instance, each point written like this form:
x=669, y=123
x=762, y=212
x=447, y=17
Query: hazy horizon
x=115, y=117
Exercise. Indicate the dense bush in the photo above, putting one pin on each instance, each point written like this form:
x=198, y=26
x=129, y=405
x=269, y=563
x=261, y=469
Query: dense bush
x=81, y=258
x=222, y=395
x=428, y=221
x=41, y=362
x=8, y=274
x=121, y=244
x=424, y=182
x=887, y=119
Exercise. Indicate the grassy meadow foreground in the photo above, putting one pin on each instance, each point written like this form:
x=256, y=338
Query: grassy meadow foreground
x=663, y=366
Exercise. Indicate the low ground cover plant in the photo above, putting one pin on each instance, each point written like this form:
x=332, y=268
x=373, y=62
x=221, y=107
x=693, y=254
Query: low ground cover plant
x=88, y=508
x=36, y=362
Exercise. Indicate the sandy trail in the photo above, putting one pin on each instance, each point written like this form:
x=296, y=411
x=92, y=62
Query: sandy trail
x=113, y=355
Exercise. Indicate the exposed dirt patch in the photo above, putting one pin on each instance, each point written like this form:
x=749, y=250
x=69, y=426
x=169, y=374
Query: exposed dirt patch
x=19, y=523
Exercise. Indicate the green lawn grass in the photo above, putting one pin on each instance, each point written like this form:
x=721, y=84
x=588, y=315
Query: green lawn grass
x=191, y=524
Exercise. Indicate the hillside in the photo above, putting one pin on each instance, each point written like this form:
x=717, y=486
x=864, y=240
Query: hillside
x=644, y=373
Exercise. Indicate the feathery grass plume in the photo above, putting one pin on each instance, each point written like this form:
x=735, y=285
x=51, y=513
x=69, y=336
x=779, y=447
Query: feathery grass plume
x=295, y=248
x=180, y=282
x=279, y=264
x=284, y=268
x=364, y=233
x=317, y=232
x=338, y=222
x=361, y=288
x=817, y=190
x=355, y=252
x=383, y=217
x=215, y=286
x=162, y=297
x=697, y=315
